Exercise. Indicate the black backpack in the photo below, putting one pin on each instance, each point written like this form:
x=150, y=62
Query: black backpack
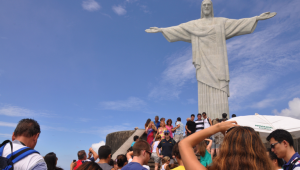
x=6, y=163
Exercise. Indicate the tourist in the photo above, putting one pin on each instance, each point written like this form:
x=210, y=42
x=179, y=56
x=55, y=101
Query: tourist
x=104, y=153
x=190, y=125
x=277, y=162
x=199, y=123
x=161, y=129
x=233, y=115
x=26, y=134
x=165, y=163
x=89, y=166
x=204, y=150
x=121, y=161
x=179, y=130
x=242, y=149
x=135, y=139
x=141, y=155
x=282, y=145
x=147, y=124
x=82, y=158
x=156, y=122
x=215, y=147
x=207, y=121
x=224, y=116
x=162, y=119
x=154, y=155
x=176, y=153
x=51, y=161
x=170, y=128
x=150, y=132
x=218, y=137
x=167, y=146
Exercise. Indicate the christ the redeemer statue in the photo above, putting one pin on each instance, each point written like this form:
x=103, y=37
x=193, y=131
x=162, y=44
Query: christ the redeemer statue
x=208, y=36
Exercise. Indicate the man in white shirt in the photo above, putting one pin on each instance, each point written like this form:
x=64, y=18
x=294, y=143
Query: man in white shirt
x=206, y=120
x=26, y=134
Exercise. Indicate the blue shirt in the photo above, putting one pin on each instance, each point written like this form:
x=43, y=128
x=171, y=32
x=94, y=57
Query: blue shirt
x=133, y=166
x=180, y=130
x=157, y=124
x=132, y=143
x=297, y=164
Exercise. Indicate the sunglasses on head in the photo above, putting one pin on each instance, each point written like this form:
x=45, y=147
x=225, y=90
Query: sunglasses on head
x=166, y=133
x=229, y=129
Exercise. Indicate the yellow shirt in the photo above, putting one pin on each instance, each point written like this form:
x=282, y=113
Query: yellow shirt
x=179, y=168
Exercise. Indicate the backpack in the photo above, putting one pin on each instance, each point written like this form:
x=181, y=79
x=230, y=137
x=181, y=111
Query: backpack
x=6, y=163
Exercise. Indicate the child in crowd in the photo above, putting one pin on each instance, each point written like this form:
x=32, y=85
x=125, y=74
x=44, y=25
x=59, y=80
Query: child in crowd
x=165, y=163
x=204, y=150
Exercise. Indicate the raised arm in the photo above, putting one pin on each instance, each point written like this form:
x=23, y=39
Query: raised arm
x=95, y=155
x=209, y=144
x=186, y=150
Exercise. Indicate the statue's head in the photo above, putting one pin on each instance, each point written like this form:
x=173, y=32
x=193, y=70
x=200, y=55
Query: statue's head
x=207, y=9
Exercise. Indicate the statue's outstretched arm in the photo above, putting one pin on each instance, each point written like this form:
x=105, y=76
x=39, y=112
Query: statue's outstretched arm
x=153, y=30
x=265, y=15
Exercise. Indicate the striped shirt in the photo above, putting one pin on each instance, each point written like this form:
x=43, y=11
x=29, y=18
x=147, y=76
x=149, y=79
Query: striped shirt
x=199, y=125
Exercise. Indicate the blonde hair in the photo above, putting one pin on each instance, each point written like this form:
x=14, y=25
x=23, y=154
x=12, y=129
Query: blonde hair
x=150, y=123
x=162, y=122
x=165, y=159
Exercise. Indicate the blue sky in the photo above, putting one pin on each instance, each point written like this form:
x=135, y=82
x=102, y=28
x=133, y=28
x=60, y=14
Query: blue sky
x=84, y=69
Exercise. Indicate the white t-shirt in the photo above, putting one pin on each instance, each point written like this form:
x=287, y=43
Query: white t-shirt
x=206, y=123
x=27, y=163
x=155, y=146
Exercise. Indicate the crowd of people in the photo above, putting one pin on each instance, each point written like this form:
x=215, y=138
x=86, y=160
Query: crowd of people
x=208, y=144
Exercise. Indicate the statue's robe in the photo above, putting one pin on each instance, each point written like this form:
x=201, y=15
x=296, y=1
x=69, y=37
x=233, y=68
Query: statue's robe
x=210, y=57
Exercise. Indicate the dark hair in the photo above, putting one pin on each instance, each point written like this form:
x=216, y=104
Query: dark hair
x=224, y=115
x=273, y=156
x=111, y=162
x=280, y=135
x=178, y=119
x=175, y=151
x=27, y=128
x=147, y=122
x=169, y=120
x=81, y=154
x=89, y=166
x=135, y=137
x=192, y=115
x=233, y=115
x=104, y=151
x=203, y=113
x=50, y=160
x=162, y=119
x=121, y=160
x=139, y=146
x=156, y=117
x=199, y=114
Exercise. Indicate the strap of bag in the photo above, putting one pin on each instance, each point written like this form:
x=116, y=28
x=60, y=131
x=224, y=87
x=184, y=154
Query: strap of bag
x=293, y=163
x=4, y=144
x=20, y=154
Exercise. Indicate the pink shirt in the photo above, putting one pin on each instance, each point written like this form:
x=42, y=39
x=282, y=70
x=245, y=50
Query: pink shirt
x=170, y=130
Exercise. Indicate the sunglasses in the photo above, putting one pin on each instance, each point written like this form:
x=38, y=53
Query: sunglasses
x=166, y=133
x=273, y=145
x=149, y=153
x=229, y=129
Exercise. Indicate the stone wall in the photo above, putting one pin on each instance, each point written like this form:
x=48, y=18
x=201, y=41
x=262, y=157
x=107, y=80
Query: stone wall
x=116, y=139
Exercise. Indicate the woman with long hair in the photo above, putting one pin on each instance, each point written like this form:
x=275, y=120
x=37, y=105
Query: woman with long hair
x=154, y=154
x=165, y=163
x=169, y=126
x=147, y=123
x=242, y=148
x=150, y=132
x=51, y=161
x=161, y=129
x=204, y=150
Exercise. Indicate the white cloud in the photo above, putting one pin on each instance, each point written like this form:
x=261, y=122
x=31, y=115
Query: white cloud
x=179, y=71
x=132, y=103
x=191, y=101
x=16, y=111
x=292, y=111
x=8, y=124
x=96, y=146
x=5, y=135
x=90, y=5
x=119, y=10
